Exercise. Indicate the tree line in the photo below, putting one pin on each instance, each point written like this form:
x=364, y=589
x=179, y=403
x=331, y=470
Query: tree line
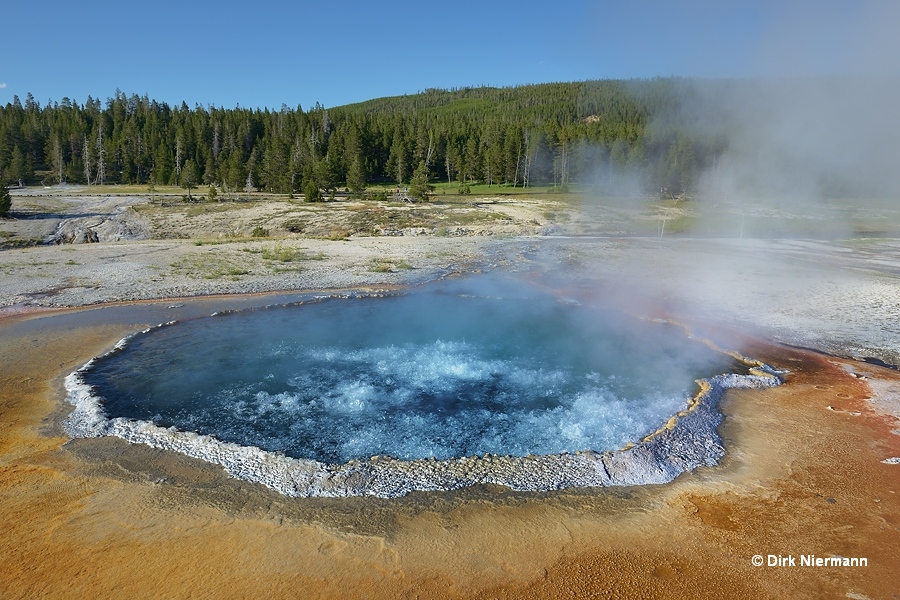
x=606, y=134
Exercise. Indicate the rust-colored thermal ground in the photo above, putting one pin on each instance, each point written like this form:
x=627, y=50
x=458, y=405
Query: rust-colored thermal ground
x=105, y=519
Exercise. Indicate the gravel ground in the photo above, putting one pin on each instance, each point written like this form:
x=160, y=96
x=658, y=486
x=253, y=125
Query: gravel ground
x=839, y=296
x=64, y=250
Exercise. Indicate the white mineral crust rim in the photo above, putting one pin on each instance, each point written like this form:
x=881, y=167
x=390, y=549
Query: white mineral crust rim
x=692, y=442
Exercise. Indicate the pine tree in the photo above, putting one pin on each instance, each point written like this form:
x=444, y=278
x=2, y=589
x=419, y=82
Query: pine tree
x=189, y=177
x=5, y=200
x=311, y=190
x=55, y=152
x=418, y=185
x=397, y=160
x=19, y=167
x=356, y=177
x=234, y=176
x=209, y=171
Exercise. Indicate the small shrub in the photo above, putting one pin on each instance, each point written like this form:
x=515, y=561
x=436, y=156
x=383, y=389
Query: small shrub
x=387, y=265
x=259, y=232
x=283, y=253
x=311, y=192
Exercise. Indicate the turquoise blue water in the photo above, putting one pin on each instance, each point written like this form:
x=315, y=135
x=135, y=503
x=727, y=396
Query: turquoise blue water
x=456, y=369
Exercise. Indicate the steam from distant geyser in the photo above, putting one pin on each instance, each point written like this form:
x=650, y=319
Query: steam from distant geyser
x=820, y=120
x=806, y=148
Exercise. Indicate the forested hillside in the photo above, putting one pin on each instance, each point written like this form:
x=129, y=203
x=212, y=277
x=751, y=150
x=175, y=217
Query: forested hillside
x=595, y=133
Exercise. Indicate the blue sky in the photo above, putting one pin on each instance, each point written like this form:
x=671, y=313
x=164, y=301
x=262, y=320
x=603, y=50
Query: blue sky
x=276, y=52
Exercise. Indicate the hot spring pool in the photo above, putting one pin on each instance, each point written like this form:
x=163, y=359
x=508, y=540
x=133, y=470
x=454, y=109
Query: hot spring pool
x=453, y=371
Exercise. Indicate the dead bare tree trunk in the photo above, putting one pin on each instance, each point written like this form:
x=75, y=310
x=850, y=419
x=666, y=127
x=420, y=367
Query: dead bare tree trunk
x=526, y=165
x=101, y=163
x=178, y=158
x=216, y=143
x=564, y=176
x=663, y=218
x=518, y=162
x=58, y=160
x=86, y=159
x=140, y=167
x=430, y=150
x=526, y=171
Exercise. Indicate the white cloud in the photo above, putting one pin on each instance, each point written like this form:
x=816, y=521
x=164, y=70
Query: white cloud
x=2, y=86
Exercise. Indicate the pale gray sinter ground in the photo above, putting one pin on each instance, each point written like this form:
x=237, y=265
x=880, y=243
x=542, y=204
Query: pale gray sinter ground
x=837, y=295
